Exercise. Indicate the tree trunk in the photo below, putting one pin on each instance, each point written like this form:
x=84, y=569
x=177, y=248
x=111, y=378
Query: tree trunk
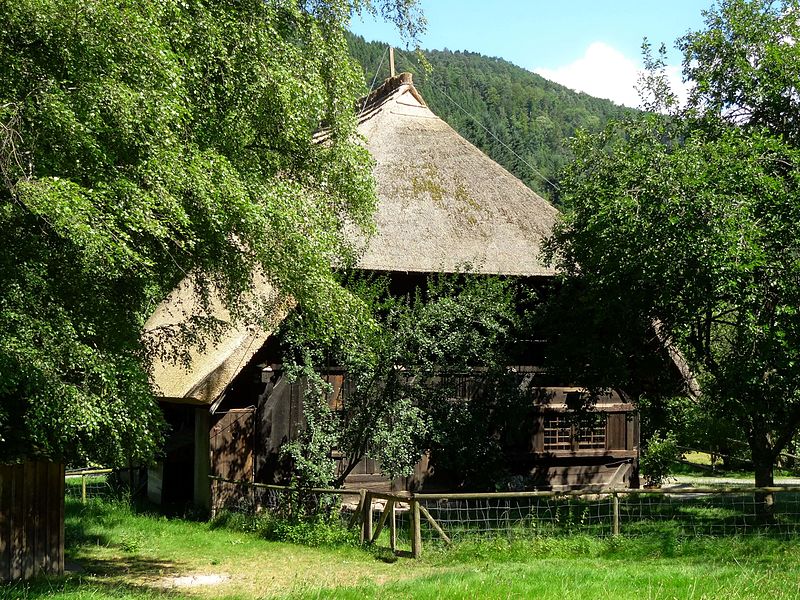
x=351, y=464
x=763, y=463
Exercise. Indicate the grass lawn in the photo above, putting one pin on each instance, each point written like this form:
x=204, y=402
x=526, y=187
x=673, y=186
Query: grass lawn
x=126, y=554
x=698, y=464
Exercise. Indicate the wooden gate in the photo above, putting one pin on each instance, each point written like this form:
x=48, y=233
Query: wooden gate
x=232, y=455
x=31, y=520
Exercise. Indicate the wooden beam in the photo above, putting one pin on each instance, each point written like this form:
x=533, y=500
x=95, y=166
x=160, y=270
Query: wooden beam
x=416, y=530
x=435, y=525
x=367, y=510
x=393, y=530
x=389, y=507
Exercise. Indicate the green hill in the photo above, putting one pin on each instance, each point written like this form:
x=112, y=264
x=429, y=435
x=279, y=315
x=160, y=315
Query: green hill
x=530, y=115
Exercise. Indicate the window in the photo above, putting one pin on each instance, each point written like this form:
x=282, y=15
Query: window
x=593, y=437
x=465, y=386
x=562, y=434
x=557, y=433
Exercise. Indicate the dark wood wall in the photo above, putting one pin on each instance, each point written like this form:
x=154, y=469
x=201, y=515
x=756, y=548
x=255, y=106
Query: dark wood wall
x=31, y=520
x=232, y=447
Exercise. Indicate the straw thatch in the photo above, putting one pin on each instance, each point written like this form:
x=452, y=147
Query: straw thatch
x=444, y=204
x=212, y=364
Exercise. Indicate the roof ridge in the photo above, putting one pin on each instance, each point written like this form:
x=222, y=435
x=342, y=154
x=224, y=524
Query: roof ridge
x=386, y=90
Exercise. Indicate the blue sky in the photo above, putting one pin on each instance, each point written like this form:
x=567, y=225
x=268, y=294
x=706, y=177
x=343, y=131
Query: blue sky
x=593, y=46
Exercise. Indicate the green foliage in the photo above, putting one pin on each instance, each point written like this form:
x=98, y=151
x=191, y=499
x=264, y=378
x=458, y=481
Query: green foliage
x=695, y=427
x=683, y=227
x=314, y=531
x=143, y=142
x=658, y=457
x=520, y=110
x=745, y=65
x=405, y=375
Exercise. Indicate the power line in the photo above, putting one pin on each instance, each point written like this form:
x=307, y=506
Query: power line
x=374, y=79
x=491, y=133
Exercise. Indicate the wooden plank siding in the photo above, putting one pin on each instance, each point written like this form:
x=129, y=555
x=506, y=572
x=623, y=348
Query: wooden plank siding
x=31, y=520
x=547, y=445
x=232, y=445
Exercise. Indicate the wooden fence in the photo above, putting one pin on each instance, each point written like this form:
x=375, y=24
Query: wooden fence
x=699, y=511
x=31, y=520
x=91, y=480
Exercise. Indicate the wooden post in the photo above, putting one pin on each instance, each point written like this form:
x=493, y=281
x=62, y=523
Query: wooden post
x=389, y=506
x=357, y=514
x=435, y=525
x=83, y=488
x=201, y=493
x=391, y=62
x=214, y=496
x=367, y=531
x=615, y=517
x=393, y=530
x=416, y=530
x=362, y=495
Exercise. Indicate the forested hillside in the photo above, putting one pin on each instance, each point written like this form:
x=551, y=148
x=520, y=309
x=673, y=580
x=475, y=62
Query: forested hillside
x=529, y=114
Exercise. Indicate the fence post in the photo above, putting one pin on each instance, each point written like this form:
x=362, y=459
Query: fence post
x=393, y=530
x=83, y=488
x=367, y=530
x=615, y=505
x=357, y=514
x=416, y=531
x=214, y=496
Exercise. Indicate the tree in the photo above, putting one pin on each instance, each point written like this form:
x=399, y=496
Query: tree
x=145, y=141
x=686, y=222
x=430, y=374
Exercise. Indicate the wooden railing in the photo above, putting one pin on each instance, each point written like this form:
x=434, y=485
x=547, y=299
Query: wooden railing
x=85, y=474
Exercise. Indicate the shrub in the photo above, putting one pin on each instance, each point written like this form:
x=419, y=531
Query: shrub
x=657, y=459
x=316, y=530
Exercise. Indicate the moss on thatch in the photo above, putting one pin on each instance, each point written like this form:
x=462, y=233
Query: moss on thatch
x=442, y=202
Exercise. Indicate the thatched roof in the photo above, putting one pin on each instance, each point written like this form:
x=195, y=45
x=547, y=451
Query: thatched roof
x=443, y=205
x=213, y=363
x=442, y=202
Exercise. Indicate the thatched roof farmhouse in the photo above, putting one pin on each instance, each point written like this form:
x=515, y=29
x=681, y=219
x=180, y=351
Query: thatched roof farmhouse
x=444, y=203
x=443, y=206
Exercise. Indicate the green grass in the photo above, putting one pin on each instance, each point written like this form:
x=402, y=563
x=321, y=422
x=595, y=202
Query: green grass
x=698, y=464
x=130, y=554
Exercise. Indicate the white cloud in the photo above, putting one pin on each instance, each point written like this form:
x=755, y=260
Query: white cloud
x=605, y=72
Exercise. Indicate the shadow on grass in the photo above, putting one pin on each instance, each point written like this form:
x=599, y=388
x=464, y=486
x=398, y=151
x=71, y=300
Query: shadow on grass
x=104, y=539
x=81, y=586
x=134, y=566
x=130, y=577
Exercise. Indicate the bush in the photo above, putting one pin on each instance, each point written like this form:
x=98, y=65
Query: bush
x=657, y=459
x=309, y=531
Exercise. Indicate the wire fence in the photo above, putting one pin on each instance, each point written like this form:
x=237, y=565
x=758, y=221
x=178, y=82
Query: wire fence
x=690, y=513
x=517, y=517
x=86, y=485
x=282, y=501
x=414, y=519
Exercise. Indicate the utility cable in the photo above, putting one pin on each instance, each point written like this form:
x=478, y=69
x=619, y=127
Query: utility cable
x=491, y=133
x=374, y=79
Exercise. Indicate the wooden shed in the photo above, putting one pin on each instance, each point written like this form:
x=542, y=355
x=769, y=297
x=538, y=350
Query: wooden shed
x=31, y=520
x=443, y=205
